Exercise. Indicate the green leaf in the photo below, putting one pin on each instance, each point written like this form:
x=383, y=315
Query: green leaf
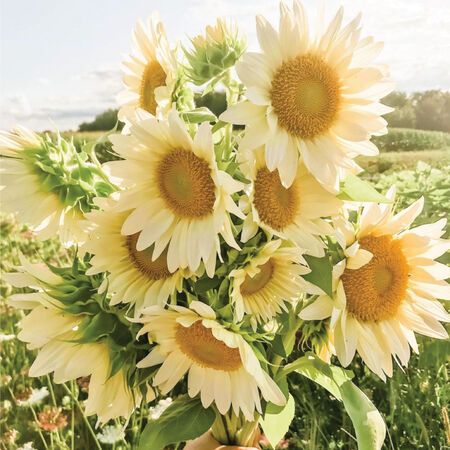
x=355, y=189
x=369, y=425
x=325, y=375
x=206, y=284
x=199, y=115
x=282, y=383
x=321, y=273
x=183, y=420
x=275, y=426
x=367, y=421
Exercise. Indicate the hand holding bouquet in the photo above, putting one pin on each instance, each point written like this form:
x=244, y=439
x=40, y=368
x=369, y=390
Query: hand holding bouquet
x=213, y=250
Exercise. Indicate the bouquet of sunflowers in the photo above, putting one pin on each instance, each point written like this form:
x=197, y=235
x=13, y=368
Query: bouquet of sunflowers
x=215, y=256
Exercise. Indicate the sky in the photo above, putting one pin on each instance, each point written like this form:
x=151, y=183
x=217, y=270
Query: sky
x=60, y=59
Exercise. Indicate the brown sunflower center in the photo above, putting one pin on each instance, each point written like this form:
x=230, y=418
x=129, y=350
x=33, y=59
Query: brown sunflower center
x=375, y=291
x=305, y=96
x=251, y=285
x=198, y=343
x=277, y=206
x=142, y=260
x=153, y=77
x=186, y=185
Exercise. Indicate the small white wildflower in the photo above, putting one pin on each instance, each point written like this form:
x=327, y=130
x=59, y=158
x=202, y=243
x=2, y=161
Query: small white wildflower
x=37, y=395
x=27, y=446
x=7, y=337
x=111, y=434
x=156, y=411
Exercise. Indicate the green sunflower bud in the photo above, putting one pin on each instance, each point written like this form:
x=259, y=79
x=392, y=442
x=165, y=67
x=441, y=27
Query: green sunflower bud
x=214, y=53
x=67, y=172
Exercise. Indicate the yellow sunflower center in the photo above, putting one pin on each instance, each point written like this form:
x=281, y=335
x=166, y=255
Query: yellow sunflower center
x=305, y=96
x=375, y=291
x=153, y=77
x=277, y=206
x=198, y=343
x=251, y=285
x=142, y=260
x=186, y=184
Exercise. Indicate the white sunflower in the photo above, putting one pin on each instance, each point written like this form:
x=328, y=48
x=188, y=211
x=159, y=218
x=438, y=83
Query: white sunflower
x=221, y=364
x=294, y=213
x=386, y=287
x=313, y=94
x=150, y=72
x=180, y=200
x=133, y=276
x=25, y=193
x=51, y=331
x=269, y=280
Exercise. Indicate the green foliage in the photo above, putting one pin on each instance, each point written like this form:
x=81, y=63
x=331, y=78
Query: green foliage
x=104, y=121
x=183, y=420
x=432, y=110
x=402, y=139
x=428, y=110
x=431, y=183
x=320, y=275
x=355, y=189
x=275, y=426
x=367, y=421
x=404, y=114
x=214, y=101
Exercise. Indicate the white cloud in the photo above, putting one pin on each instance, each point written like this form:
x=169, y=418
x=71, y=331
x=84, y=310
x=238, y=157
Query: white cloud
x=93, y=92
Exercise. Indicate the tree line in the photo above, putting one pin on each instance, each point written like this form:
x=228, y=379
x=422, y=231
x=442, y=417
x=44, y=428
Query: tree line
x=427, y=110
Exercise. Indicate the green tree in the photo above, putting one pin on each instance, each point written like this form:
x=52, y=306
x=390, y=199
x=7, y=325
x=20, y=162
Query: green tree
x=404, y=114
x=103, y=122
x=432, y=110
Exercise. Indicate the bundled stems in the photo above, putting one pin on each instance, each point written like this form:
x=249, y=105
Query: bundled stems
x=230, y=429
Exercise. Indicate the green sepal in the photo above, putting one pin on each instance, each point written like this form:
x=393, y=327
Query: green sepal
x=94, y=328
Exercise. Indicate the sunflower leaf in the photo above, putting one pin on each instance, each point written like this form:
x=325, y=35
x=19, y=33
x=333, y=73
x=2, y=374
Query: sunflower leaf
x=275, y=426
x=357, y=190
x=199, y=115
x=369, y=425
x=183, y=420
x=321, y=273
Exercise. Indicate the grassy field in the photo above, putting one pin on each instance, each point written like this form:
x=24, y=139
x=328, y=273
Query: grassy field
x=414, y=402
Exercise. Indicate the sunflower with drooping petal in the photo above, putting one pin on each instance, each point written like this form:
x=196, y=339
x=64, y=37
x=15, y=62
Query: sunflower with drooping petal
x=386, y=287
x=312, y=94
x=181, y=202
x=28, y=188
x=134, y=277
x=150, y=72
x=294, y=213
x=222, y=366
x=267, y=281
x=58, y=337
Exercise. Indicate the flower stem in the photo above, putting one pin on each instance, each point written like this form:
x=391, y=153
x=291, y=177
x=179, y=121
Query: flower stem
x=39, y=431
x=85, y=420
